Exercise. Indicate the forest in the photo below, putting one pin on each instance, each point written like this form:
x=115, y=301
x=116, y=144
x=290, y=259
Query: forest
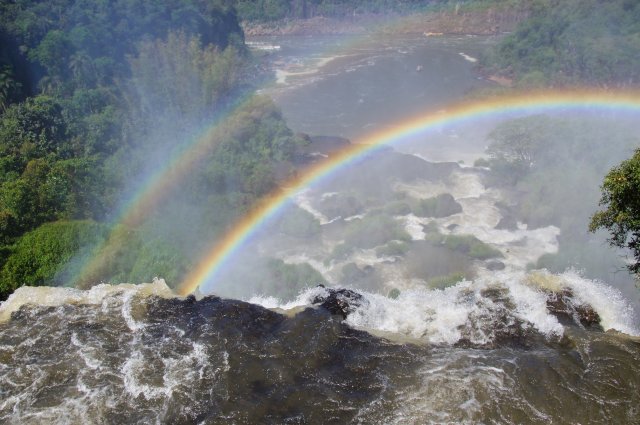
x=93, y=94
x=572, y=43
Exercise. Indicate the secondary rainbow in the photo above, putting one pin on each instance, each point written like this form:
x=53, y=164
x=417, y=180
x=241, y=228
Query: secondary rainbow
x=209, y=268
x=154, y=189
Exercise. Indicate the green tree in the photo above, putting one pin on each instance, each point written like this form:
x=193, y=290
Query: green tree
x=8, y=87
x=521, y=142
x=33, y=129
x=179, y=77
x=621, y=216
x=572, y=42
x=38, y=258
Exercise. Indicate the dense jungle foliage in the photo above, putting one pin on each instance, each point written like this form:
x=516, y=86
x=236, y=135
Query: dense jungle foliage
x=275, y=10
x=573, y=42
x=272, y=10
x=93, y=95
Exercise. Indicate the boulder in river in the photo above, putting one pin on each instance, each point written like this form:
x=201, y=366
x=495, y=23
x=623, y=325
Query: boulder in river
x=339, y=301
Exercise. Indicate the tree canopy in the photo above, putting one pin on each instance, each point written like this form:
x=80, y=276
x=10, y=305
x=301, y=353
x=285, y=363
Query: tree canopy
x=621, y=214
x=94, y=96
x=573, y=42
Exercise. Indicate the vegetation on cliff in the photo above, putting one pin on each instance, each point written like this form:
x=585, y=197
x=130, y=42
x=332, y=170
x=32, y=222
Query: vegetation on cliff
x=94, y=96
x=273, y=10
x=572, y=42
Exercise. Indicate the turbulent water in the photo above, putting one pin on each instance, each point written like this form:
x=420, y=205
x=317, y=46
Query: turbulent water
x=489, y=351
x=506, y=346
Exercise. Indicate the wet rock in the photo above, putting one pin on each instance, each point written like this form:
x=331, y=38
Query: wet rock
x=494, y=325
x=439, y=206
x=339, y=301
x=495, y=265
x=507, y=223
x=564, y=306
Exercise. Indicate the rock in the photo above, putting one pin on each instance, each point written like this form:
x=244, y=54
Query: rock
x=563, y=306
x=508, y=222
x=495, y=265
x=339, y=301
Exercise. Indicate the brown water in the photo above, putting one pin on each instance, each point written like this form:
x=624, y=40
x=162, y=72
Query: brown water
x=130, y=356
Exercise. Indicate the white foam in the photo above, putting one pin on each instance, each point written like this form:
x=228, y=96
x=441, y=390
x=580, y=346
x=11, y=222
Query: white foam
x=99, y=294
x=614, y=310
x=303, y=201
x=413, y=226
x=465, y=311
x=468, y=58
x=446, y=316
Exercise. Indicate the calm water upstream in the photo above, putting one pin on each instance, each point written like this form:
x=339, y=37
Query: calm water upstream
x=355, y=86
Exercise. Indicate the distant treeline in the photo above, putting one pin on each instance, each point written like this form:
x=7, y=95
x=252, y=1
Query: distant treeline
x=272, y=10
x=573, y=42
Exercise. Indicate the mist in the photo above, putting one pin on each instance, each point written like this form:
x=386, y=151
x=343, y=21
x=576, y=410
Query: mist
x=182, y=147
x=327, y=211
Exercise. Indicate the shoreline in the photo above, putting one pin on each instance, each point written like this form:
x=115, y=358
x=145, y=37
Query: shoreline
x=490, y=21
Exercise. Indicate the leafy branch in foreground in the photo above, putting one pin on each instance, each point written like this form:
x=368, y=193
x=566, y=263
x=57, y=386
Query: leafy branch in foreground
x=621, y=217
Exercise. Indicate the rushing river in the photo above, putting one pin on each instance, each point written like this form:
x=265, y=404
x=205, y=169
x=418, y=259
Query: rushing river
x=502, y=346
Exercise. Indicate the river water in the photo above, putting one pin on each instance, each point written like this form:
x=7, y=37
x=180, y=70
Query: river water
x=357, y=85
x=501, y=346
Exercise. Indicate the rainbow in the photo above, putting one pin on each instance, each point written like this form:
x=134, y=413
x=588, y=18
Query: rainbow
x=208, y=270
x=155, y=187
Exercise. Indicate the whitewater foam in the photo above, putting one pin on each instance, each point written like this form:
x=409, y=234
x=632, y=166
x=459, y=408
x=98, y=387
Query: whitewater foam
x=473, y=310
x=100, y=294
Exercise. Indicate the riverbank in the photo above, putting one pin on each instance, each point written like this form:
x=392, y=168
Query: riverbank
x=486, y=21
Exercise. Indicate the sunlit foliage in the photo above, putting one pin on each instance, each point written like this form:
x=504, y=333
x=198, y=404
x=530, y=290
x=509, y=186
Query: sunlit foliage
x=573, y=42
x=96, y=95
x=37, y=257
x=621, y=216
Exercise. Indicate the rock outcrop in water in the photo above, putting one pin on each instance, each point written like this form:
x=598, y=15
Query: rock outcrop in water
x=494, y=317
x=339, y=301
x=127, y=354
x=562, y=305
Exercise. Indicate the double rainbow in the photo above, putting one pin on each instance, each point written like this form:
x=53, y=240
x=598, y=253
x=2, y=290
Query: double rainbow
x=205, y=275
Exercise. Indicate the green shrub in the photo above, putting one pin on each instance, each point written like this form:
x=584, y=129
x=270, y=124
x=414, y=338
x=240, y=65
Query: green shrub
x=287, y=280
x=465, y=244
x=352, y=273
x=441, y=282
x=397, y=208
x=439, y=206
x=374, y=230
x=340, y=252
x=340, y=205
x=158, y=258
x=471, y=246
x=392, y=249
x=481, y=162
x=40, y=256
